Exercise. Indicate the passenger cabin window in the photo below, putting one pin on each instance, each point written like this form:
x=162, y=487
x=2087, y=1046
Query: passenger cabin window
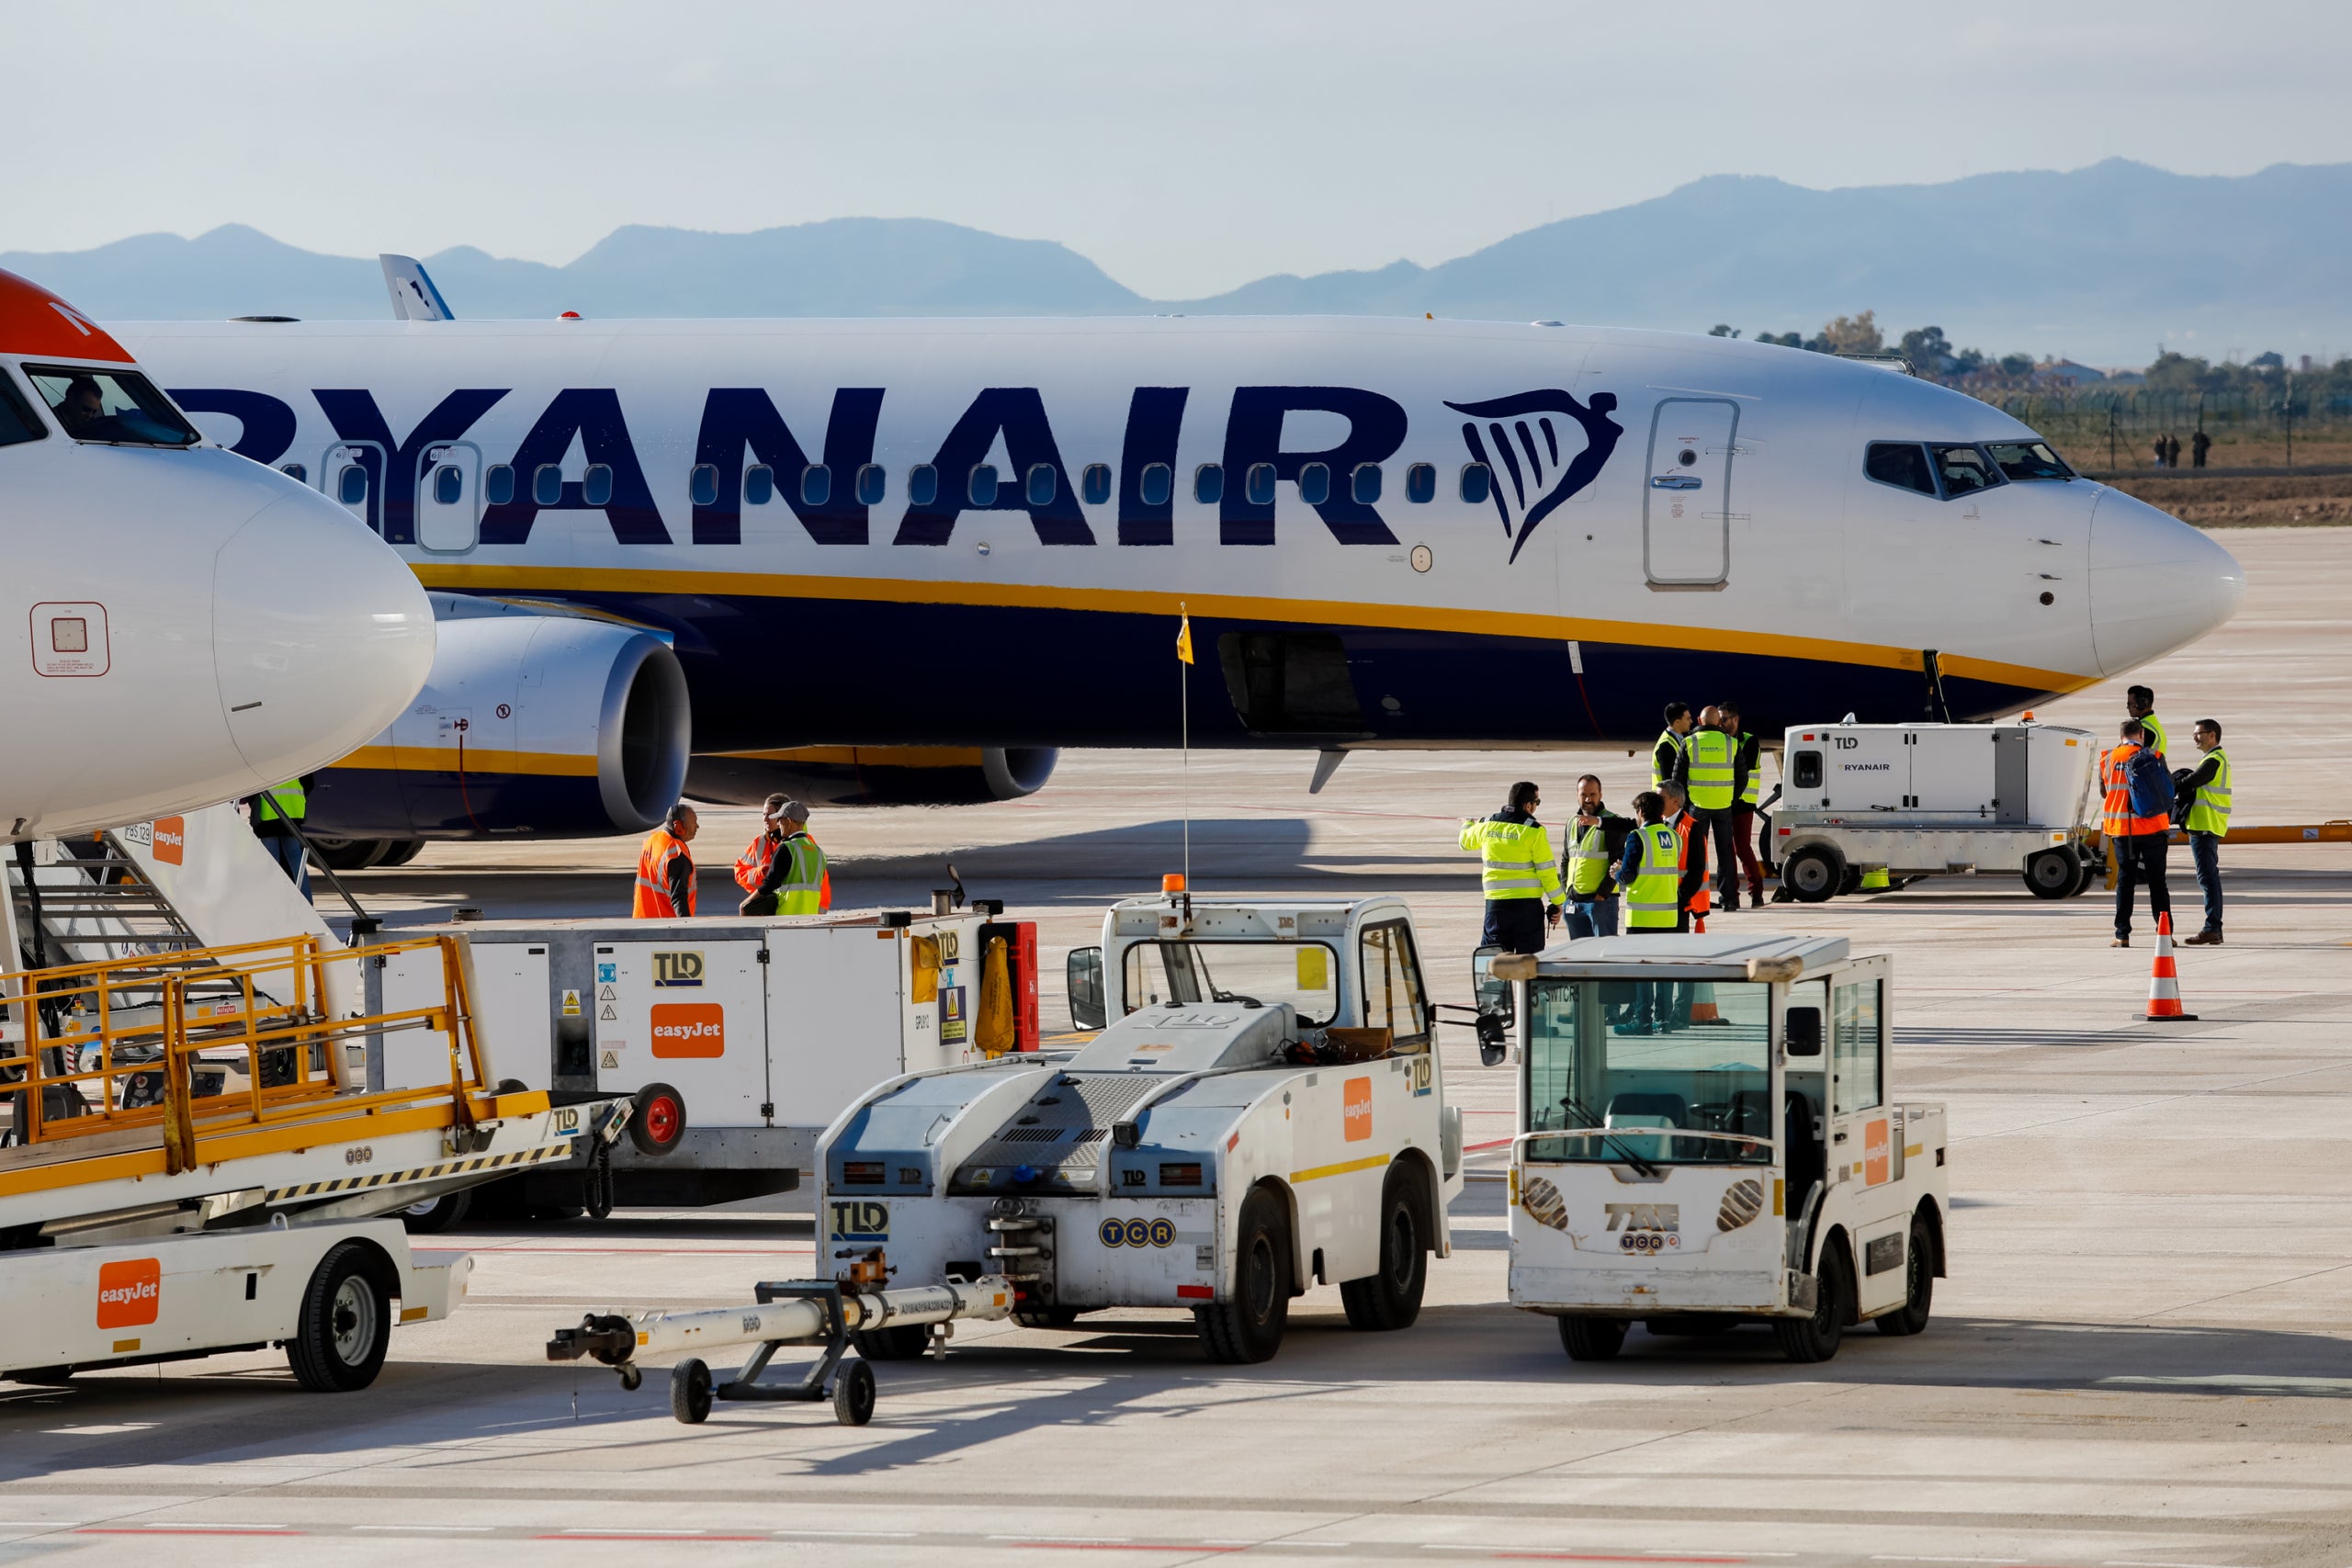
x=759, y=485
x=448, y=485
x=980, y=490
x=1854, y=1054
x=547, y=485
x=16, y=419
x=1094, y=485
x=351, y=485
x=1258, y=484
x=1477, y=483
x=873, y=484
x=815, y=485
x=1964, y=470
x=596, y=485
x=1392, y=985
x=1903, y=464
x=1364, y=485
x=118, y=408
x=702, y=485
x=1315, y=483
x=1420, y=483
x=498, y=484
x=2029, y=460
x=922, y=485
x=1208, y=483
x=1158, y=483
x=1042, y=484
x=298, y=472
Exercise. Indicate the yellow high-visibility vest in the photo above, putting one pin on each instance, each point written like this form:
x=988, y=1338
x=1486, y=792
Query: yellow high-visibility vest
x=1651, y=901
x=1711, y=772
x=2210, y=812
x=1518, y=859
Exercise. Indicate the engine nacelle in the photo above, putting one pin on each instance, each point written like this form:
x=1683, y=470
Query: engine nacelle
x=529, y=723
x=873, y=776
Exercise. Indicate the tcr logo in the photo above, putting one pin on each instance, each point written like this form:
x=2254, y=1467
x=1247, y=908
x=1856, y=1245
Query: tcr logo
x=129, y=1293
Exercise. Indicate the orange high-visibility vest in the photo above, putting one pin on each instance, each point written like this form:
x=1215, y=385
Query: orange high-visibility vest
x=653, y=900
x=2119, y=823
x=752, y=866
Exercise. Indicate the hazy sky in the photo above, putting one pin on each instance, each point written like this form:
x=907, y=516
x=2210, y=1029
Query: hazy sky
x=1186, y=146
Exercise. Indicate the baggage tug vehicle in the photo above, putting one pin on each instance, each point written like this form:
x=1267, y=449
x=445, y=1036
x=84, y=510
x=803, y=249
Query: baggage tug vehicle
x=1708, y=1135
x=1262, y=1111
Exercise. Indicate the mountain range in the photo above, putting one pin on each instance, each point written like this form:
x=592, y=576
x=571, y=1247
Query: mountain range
x=2100, y=264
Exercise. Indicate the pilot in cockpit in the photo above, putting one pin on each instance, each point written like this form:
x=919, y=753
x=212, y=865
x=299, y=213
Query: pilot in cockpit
x=83, y=405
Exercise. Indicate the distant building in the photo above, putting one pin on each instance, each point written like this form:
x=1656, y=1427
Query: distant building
x=2066, y=370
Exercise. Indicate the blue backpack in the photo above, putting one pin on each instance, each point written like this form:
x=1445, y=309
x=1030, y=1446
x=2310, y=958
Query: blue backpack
x=2151, y=783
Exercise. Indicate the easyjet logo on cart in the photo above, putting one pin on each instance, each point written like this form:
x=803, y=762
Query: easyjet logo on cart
x=1355, y=1111
x=129, y=1293
x=171, y=839
x=689, y=1029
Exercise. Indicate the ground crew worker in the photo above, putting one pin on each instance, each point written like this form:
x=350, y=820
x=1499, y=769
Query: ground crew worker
x=1675, y=812
x=2208, y=792
x=665, y=870
x=2140, y=838
x=752, y=866
x=1594, y=845
x=1522, y=884
x=1709, y=783
x=795, y=875
x=2139, y=702
x=1666, y=756
x=1651, y=874
x=1747, y=781
x=270, y=812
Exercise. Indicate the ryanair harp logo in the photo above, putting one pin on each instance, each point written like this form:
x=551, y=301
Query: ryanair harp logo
x=1520, y=454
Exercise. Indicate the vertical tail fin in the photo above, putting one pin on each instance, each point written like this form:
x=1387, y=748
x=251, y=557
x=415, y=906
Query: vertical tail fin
x=413, y=297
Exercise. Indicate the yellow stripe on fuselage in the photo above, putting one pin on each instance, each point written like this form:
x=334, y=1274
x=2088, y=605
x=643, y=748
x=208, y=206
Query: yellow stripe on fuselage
x=1151, y=602
x=478, y=760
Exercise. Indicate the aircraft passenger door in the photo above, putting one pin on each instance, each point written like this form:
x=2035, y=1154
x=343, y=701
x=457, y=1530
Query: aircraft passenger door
x=1686, y=501
x=352, y=473
x=449, y=497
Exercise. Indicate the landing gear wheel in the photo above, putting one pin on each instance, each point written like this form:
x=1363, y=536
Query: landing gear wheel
x=345, y=1324
x=854, y=1394
x=437, y=1214
x=660, y=1120
x=1392, y=1297
x=690, y=1392
x=401, y=851
x=1249, y=1328
x=898, y=1342
x=632, y=1378
x=2055, y=874
x=1813, y=875
x=1919, y=1287
x=1592, y=1338
x=350, y=854
x=1817, y=1338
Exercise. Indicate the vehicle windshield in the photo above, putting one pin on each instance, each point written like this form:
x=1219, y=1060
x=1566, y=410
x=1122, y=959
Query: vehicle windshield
x=1654, y=1071
x=120, y=406
x=2029, y=460
x=1178, y=973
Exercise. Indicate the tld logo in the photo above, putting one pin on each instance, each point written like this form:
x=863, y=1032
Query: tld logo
x=677, y=969
x=689, y=1029
x=860, y=1220
x=129, y=1293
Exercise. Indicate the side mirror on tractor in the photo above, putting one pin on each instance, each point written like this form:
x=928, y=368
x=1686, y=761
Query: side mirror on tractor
x=1083, y=976
x=1802, y=1030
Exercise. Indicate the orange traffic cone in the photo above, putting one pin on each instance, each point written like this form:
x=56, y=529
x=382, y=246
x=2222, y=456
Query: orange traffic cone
x=1703, y=1009
x=2163, y=985
x=1700, y=902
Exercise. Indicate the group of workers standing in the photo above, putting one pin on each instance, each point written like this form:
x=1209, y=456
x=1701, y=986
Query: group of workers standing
x=2144, y=798
x=1705, y=782
x=782, y=871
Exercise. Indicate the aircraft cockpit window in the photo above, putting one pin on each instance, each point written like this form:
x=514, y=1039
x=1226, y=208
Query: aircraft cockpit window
x=1208, y=483
x=922, y=485
x=498, y=484
x=759, y=485
x=1964, y=470
x=120, y=408
x=16, y=421
x=1258, y=484
x=1315, y=483
x=547, y=485
x=701, y=484
x=596, y=485
x=1094, y=485
x=1477, y=483
x=1042, y=484
x=1363, y=484
x=1420, y=483
x=1157, y=484
x=873, y=484
x=1903, y=464
x=980, y=489
x=815, y=485
x=2029, y=460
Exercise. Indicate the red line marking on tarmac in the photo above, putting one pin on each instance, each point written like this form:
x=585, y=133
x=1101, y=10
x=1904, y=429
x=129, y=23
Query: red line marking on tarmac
x=1591, y=1557
x=181, y=1529
x=1496, y=1144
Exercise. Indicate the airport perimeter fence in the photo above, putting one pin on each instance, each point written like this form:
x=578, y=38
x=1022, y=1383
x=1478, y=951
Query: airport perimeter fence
x=2114, y=426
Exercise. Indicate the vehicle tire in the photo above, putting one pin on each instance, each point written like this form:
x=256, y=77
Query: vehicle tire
x=1817, y=1338
x=348, y=855
x=1248, y=1327
x=2052, y=874
x=1592, y=1338
x=690, y=1392
x=1391, y=1298
x=897, y=1342
x=437, y=1214
x=1813, y=875
x=660, y=1121
x=854, y=1394
x=345, y=1323
x=1045, y=1317
x=399, y=852
x=1919, y=1287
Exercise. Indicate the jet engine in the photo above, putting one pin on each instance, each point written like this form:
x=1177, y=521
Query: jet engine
x=873, y=776
x=531, y=722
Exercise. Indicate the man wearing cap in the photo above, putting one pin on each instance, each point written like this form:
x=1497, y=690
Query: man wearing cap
x=752, y=866
x=794, y=884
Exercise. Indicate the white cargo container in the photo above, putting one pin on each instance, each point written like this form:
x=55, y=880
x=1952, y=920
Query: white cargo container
x=1914, y=800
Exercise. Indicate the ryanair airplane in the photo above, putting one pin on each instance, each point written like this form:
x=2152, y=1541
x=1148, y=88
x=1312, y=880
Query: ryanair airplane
x=908, y=561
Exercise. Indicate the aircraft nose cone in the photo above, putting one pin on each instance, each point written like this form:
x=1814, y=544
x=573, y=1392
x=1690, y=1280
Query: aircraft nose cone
x=322, y=635
x=2157, y=583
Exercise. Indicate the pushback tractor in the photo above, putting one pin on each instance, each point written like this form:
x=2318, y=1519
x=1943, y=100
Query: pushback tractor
x=1708, y=1136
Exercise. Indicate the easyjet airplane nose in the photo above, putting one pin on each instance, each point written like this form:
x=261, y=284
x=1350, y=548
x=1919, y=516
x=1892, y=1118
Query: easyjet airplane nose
x=322, y=635
x=2157, y=583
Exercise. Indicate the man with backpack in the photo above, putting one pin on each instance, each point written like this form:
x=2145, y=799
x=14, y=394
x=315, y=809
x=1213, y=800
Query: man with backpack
x=2138, y=822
